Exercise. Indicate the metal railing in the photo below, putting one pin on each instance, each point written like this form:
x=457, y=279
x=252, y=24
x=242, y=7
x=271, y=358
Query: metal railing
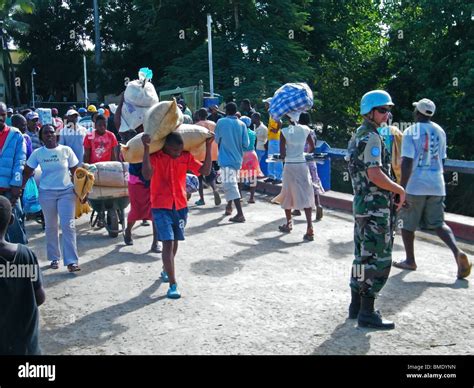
x=464, y=166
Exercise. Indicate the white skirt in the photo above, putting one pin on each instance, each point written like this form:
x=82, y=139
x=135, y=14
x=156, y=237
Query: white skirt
x=297, y=191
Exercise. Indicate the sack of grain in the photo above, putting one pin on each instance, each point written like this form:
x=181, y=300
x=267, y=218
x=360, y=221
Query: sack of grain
x=194, y=137
x=133, y=151
x=162, y=119
x=109, y=174
x=100, y=192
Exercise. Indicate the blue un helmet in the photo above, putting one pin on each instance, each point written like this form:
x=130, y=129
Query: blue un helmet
x=373, y=99
x=247, y=120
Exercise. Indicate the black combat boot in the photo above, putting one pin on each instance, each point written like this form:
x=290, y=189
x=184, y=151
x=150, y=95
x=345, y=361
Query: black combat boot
x=354, y=307
x=370, y=318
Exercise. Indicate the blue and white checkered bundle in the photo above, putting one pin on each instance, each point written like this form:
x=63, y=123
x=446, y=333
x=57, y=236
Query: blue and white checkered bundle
x=291, y=98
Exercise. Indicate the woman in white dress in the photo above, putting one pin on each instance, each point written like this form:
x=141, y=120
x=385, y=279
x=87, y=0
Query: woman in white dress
x=297, y=190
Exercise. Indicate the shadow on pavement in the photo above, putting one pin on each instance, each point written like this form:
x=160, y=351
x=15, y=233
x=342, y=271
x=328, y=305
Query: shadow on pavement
x=114, y=257
x=346, y=338
x=398, y=293
x=98, y=327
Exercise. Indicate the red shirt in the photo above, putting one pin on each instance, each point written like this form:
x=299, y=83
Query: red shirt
x=168, y=183
x=101, y=146
x=3, y=136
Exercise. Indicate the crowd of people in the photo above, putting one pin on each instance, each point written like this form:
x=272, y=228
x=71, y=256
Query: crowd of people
x=235, y=157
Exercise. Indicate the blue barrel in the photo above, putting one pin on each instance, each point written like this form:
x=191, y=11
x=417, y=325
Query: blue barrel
x=210, y=101
x=324, y=172
x=324, y=167
x=264, y=164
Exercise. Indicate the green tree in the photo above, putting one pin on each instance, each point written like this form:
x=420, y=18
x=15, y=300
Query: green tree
x=256, y=48
x=53, y=46
x=431, y=54
x=347, y=51
x=9, y=25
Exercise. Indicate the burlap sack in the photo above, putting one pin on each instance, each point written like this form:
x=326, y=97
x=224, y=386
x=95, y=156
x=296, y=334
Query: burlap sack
x=133, y=151
x=194, y=137
x=162, y=119
x=100, y=192
x=109, y=174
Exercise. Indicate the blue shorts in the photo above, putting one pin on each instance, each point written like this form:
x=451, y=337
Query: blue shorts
x=170, y=223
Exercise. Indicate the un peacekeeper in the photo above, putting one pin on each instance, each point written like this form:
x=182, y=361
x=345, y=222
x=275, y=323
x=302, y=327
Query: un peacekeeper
x=373, y=208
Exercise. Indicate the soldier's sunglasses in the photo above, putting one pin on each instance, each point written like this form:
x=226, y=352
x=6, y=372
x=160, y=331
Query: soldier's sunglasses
x=382, y=110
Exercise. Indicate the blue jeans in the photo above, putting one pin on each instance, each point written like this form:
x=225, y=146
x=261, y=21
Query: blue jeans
x=275, y=170
x=60, y=204
x=16, y=233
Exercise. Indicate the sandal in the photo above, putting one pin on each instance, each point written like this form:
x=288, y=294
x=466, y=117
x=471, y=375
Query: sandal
x=54, y=264
x=252, y=200
x=404, y=265
x=309, y=236
x=73, y=267
x=464, y=266
x=237, y=219
x=228, y=211
x=286, y=228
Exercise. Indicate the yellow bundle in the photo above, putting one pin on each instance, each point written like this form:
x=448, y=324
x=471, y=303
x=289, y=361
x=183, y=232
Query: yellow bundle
x=397, y=152
x=83, y=182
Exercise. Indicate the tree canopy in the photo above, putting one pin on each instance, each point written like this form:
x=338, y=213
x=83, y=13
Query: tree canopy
x=342, y=49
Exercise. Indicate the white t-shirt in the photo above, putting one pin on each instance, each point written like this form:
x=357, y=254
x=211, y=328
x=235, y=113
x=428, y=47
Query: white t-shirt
x=262, y=137
x=55, y=164
x=295, y=136
x=425, y=143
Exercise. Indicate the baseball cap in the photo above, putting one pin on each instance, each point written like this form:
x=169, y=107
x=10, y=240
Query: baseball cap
x=72, y=112
x=32, y=116
x=82, y=110
x=267, y=100
x=425, y=106
x=92, y=108
x=9, y=110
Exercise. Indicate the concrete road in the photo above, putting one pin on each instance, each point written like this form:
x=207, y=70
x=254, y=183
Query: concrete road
x=247, y=289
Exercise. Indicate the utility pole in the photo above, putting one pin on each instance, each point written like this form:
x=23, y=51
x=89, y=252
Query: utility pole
x=98, y=61
x=209, y=49
x=86, y=95
x=33, y=73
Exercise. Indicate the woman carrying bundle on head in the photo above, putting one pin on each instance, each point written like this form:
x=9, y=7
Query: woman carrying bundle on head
x=297, y=190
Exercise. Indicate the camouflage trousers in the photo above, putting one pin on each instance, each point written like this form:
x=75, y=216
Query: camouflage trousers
x=373, y=239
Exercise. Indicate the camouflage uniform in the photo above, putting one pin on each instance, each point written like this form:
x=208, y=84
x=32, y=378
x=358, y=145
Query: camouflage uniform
x=373, y=213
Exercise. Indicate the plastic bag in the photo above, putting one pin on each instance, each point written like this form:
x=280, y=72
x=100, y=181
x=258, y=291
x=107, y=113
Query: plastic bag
x=192, y=183
x=139, y=96
x=31, y=197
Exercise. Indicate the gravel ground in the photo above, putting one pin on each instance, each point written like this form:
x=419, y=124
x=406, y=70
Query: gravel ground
x=247, y=289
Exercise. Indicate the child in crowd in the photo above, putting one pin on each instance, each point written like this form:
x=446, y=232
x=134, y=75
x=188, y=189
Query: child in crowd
x=167, y=170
